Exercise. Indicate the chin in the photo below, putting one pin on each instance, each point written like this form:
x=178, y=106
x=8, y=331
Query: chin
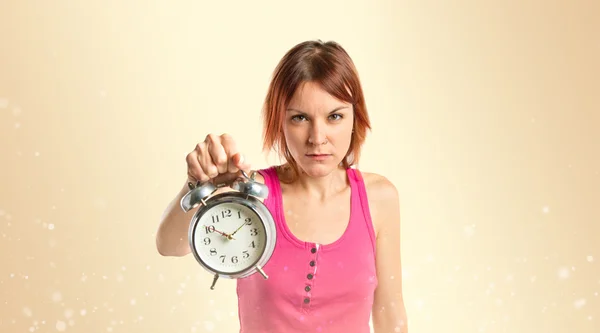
x=317, y=170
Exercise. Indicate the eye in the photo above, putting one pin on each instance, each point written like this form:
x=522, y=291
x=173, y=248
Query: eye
x=336, y=116
x=298, y=118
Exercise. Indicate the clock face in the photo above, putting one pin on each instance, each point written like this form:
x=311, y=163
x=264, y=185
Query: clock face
x=229, y=237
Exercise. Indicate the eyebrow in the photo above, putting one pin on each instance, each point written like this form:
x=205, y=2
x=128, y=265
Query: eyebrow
x=332, y=111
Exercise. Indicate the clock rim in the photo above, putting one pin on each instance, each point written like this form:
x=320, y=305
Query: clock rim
x=265, y=216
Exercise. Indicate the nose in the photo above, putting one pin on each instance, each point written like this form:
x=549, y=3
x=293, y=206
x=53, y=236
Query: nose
x=317, y=134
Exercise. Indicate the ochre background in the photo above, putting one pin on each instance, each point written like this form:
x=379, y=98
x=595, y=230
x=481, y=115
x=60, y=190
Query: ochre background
x=486, y=117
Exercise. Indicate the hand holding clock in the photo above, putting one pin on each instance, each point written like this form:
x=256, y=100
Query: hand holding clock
x=216, y=158
x=213, y=163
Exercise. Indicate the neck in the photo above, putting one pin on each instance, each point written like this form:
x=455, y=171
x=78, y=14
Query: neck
x=320, y=188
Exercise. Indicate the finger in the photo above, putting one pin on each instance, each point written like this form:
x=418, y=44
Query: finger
x=226, y=178
x=217, y=152
x=195, y=172
x=205, y=161
x=240, y=162
x=230, y=148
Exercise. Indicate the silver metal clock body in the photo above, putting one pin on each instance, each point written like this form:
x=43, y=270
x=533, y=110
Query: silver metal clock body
x=232, y=234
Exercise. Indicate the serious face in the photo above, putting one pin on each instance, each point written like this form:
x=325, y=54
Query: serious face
x=317, y=129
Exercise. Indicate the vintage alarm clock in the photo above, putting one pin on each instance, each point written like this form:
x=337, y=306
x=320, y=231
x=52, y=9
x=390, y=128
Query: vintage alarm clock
x=232, y=235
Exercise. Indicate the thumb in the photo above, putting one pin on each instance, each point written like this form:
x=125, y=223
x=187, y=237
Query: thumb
x=240, y=162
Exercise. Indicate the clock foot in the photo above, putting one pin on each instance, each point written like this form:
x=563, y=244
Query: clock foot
x=260, y=270
x=212, y=287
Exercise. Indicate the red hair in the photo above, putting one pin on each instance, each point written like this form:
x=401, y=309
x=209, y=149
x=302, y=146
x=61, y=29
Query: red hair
x=329, y=65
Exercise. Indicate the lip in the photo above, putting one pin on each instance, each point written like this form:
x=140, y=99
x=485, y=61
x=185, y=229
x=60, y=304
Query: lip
x=318, y=156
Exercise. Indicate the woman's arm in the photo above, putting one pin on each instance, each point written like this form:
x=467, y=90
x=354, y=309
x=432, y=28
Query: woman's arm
x=389, y=312
x=172, y=233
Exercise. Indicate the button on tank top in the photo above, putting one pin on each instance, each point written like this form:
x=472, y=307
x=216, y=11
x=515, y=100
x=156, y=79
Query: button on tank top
x=313, y=287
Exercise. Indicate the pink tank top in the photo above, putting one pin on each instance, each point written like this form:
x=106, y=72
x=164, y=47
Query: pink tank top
x=313, y=287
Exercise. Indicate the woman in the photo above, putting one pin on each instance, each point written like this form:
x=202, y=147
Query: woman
x=337, y=258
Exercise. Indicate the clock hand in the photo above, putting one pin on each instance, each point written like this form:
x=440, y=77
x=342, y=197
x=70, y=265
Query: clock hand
x=238, y=229
x=222, y=233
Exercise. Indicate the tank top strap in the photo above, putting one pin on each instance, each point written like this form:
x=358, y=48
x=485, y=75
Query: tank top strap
x=272, y=182
x=360, y=205
x=360, y=213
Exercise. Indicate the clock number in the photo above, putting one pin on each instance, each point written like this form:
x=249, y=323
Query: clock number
x=252, y=245
x=215, y=218
x=213, y=252
x=246, y=254
x=254, y=232
x=239, y=214
x=222, y=258
x=226, y=213
x=206, y=241
x=210, y=229
x=248, y=221
x=234, y=259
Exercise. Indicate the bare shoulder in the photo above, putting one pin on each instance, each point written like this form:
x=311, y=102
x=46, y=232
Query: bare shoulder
x=383, y=199
x=379, y=186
